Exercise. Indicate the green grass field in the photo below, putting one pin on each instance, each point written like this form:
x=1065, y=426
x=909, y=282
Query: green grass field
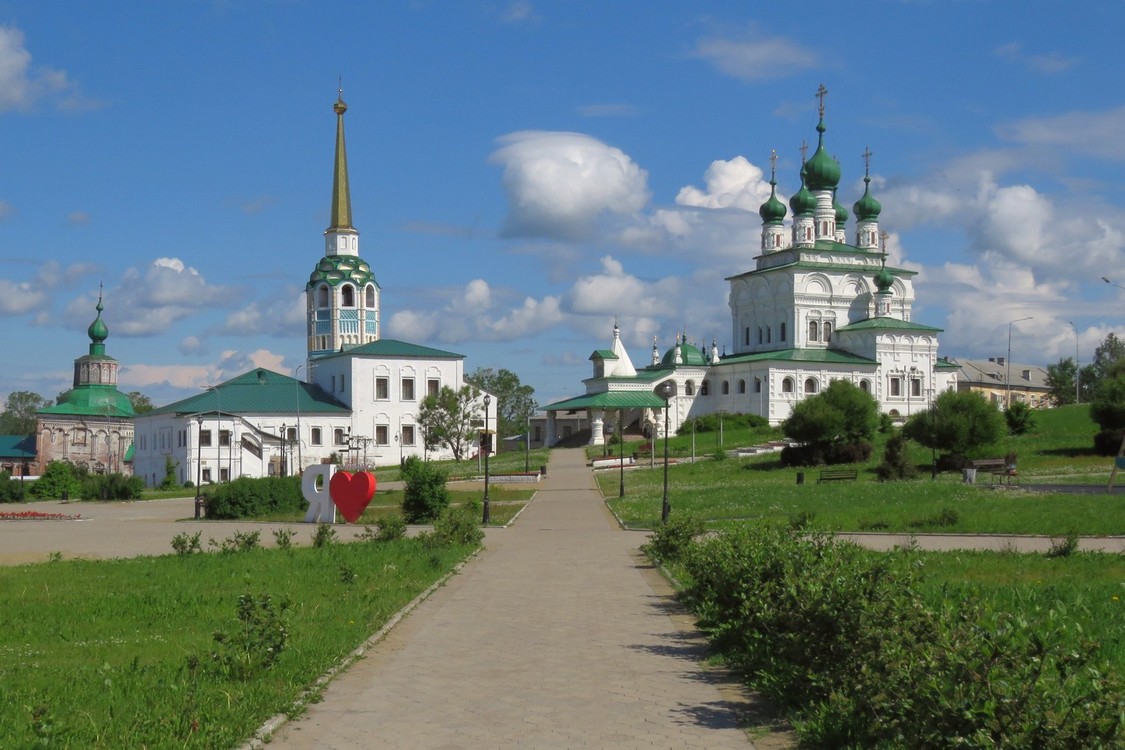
x=114, y=654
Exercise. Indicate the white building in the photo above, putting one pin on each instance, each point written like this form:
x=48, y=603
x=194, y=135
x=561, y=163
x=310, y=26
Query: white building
x=812, y=310
x=362, y=397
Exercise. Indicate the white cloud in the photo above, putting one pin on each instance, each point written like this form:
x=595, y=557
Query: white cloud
x=278, y=317
x=613, y=291
x=1091, y=133
x=518, y=11
x=751, y=55
x=21, y=86
x=730, y=184
x=559, y=185
x=191, y=345
x=1050, y=62
x=533, y=317
x=17, y=298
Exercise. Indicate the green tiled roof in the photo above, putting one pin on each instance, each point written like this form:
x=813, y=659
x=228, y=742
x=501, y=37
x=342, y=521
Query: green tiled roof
x=17, y=446
x=609, y=400
x=393, y=348
x=101, y=400
x=259, y=391
x=887, y=324
x=827, y=356
x=603, y=354
x=806, y=265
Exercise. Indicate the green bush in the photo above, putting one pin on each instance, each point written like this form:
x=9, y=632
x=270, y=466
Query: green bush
x=843, y=639
x=1020, y=418
x=456, y=526
x=387, y=529
x=256, y=643
x=710, y=422
x=425, y=495
x=250, y=498
x=670, y=540
x=112, y=487
x=896, y=464
x=324, y=535
x=59, y=479
x=9, y=489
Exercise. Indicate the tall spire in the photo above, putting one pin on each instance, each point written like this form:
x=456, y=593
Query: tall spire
x=341, y=194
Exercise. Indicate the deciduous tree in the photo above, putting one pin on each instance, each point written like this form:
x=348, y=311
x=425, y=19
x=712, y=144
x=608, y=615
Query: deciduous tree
x=18, y=417
x=447, y=418
x=961, y=423
x=515, y=402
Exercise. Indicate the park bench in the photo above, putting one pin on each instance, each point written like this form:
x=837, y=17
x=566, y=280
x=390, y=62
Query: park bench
x=838, y=475
x=997, y=467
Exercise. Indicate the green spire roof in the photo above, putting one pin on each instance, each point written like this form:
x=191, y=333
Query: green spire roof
x=803, y=202
x=867, y=208
x=341, y=194
x=98, y=331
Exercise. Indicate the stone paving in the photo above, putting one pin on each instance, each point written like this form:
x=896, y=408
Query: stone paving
x=559, y=635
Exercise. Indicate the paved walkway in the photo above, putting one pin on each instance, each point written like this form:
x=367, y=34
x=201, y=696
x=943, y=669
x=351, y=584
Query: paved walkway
x=558, y=636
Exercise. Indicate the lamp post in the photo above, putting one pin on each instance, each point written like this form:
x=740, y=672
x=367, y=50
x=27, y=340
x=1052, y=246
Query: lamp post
x=621, y=450
x=527, y=446
x=284, y=459
x=1008, y=362
x=297, y=388
x=665, y=508
x=486, y=443
x=1111, y=283
x=1077, y=366
x=198, y=462
x=693, y=440
x=933, y=437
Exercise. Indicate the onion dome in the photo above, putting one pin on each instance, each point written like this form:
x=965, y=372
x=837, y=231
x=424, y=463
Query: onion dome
x=884, y=280
x=688, y=354
x=841, y=212
x=822, y=171
x=867, y=208
x=98, y=331
x=336, y=269
x=773, y=210
x=803, y=202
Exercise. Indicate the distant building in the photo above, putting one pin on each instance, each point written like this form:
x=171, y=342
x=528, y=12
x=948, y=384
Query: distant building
x=91, y=425
x=360, y=402
x=17, y=454
x=812, y=310
x=990, y=378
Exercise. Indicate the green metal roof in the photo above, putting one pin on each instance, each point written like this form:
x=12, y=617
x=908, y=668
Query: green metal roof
x=944, y=364
x=393, y=348
x=887, y=324
x=100, y=400
x=603, y=354
x=813, y=266
x=259, y=391
x=609, y=400
x=827, y=356
x=17, y=446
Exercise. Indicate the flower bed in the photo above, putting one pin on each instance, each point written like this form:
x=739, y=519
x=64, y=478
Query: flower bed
x=35, y=515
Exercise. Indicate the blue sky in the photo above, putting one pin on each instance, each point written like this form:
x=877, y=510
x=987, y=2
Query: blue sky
x=525, y=172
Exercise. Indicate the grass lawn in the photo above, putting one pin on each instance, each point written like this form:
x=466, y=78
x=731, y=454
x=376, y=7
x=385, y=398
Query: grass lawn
x=757, y=488
x=113, y=654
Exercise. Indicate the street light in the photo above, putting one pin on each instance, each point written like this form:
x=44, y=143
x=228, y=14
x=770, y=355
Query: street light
x=1077, y=365
x=486, y=443
x=621, y=450
x=297, y=389
x=665, y=508
x=1008, y=362
x=933, y=437
x=198, y=463
x=1111, y=283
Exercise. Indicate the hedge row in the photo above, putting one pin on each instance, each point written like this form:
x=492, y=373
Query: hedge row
x=844, y=642
x=252, y=498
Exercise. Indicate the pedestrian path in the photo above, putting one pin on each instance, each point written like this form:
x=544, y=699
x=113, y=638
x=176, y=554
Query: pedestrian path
x=558, y=635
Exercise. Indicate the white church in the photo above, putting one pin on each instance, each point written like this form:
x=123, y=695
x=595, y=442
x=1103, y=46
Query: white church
x=357, y=401
x=812, y=310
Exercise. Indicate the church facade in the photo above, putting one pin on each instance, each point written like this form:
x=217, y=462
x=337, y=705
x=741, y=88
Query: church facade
x=357, y=400
x=813, y=309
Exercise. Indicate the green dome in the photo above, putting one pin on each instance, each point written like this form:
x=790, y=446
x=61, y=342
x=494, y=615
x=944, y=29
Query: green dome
x=773, y=210
x=93, y=400
x=803, y=202
x=841, y=212
x=884, y=280
x=867, y=208
x=97, y=331
x=822, y=171
x=336, y=269
x=689, y=355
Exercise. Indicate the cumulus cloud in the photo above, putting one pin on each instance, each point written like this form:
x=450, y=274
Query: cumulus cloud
x=278, y=317
x=729, y=184
x=53, y=274
x=1050, y=62
x=559, y=185
x=476, y=313
x=21, y=297
x=191, y=345
x=752, y=55
x=1090, y=133
x=22, y=85
x=607, y=292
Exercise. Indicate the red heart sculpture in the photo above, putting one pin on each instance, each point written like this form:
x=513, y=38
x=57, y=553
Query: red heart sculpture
x=351, y=493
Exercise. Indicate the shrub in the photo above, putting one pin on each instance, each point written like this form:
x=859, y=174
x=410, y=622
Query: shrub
x=1020, y=418
x=240, y=541
x=1108, y=442
x=821, y=454
x=283, y=538
x=9, y=489
x=456, y=526
x=251, y=498
x=710, y=422
x=895, y=463
x=1064, y=547
x=256, y=643
x=112, y=487
x=425, y=495
x=169, y=481
x=58, y=479
x=670, y=540
x=387, y=529
x=324, y=535
x=185, y=544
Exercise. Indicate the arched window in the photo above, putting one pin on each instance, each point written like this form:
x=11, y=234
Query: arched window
x=689, y=388
x=347, y=295
x=810, y=385
x=827, y=331
x=726, y=388
x=757, y=385
x=787, y=385
x=747, y=336
x=322, y=295
x=759, y=334
x=769, y=334
x=370, y=292
x=865, y=386
x=814, y=331
x=742, y=386
x=705, y=388
x=782, y=332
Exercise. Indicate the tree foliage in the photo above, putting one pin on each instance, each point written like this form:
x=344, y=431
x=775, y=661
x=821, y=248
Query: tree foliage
x=447, y=419
x=60, y=479
x=1060, y=381
x=515, y=402
x=961, y=423
x=1020, y=418
x=141, y=403
x=18, y=417
x=840, y=413
x=425, y=495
